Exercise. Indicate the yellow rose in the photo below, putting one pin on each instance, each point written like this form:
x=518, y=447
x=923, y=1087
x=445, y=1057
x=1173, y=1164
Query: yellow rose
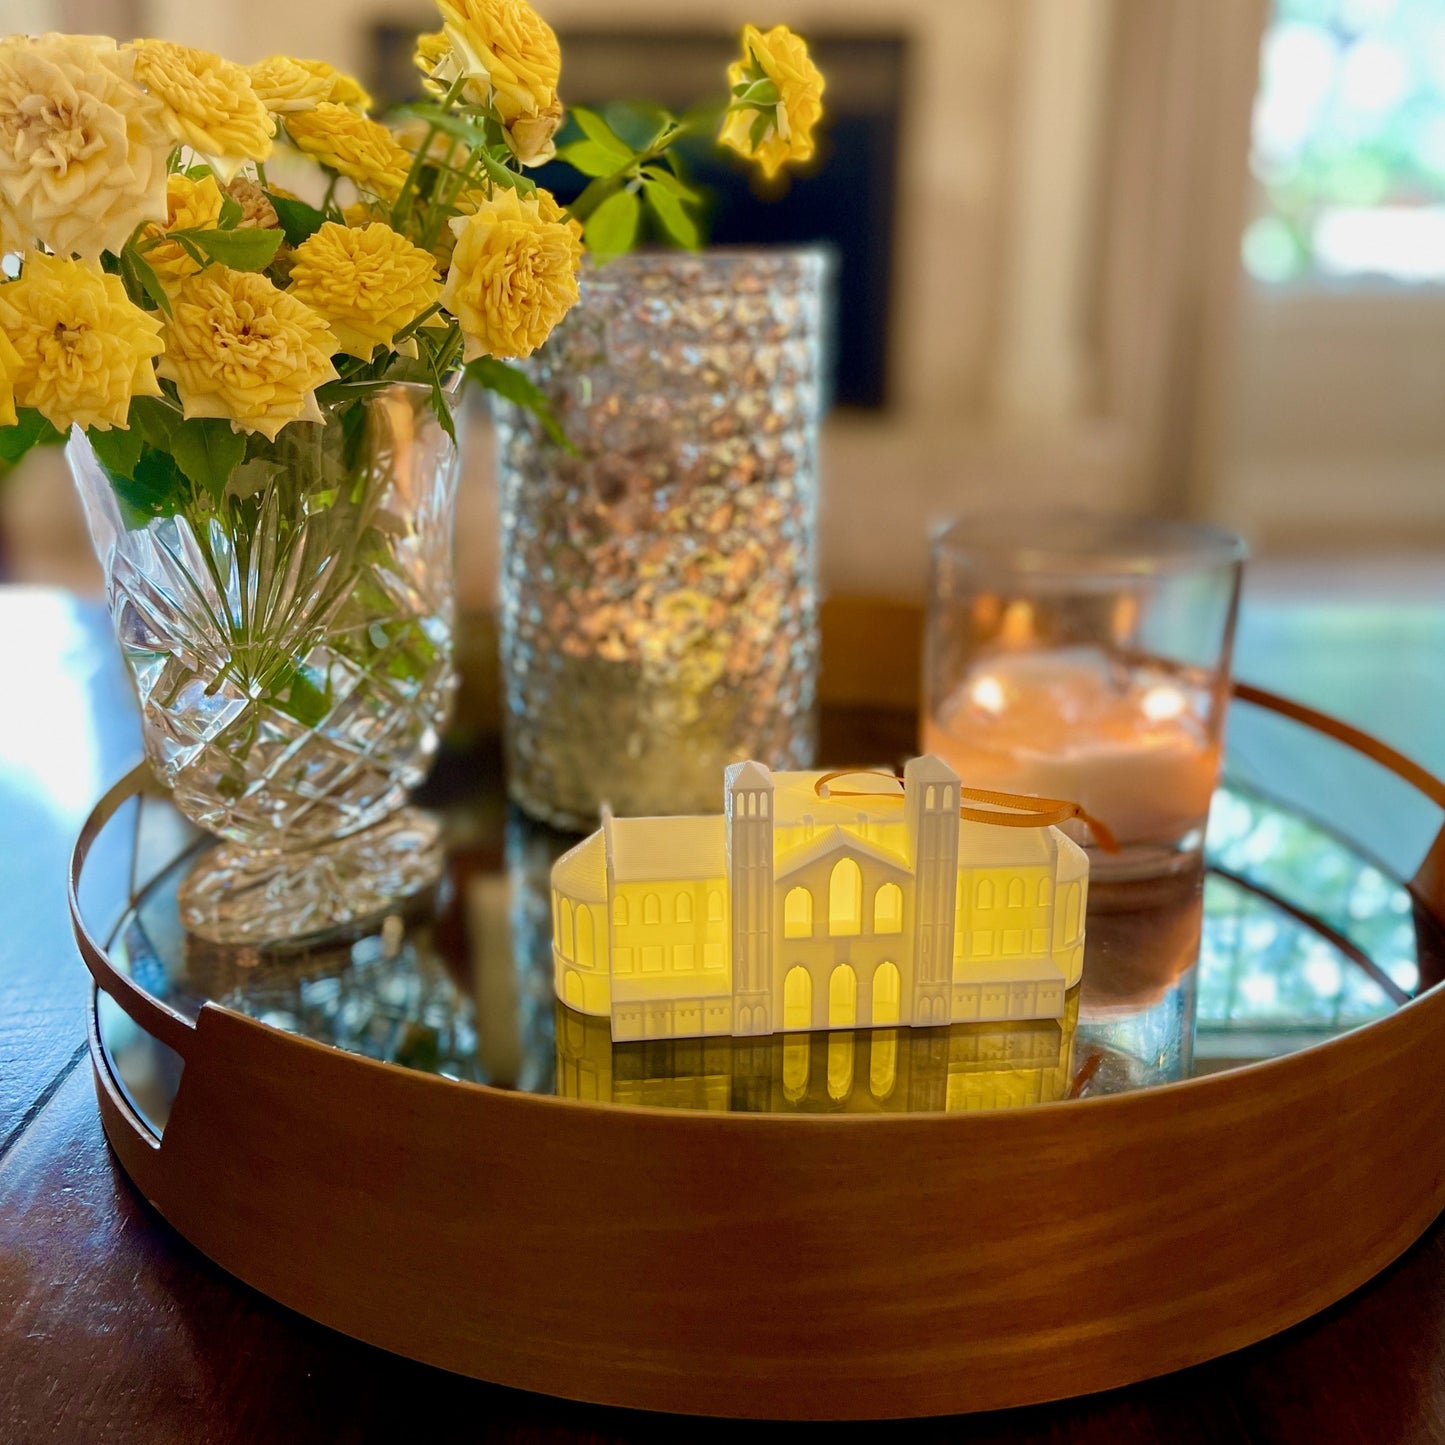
x=209, y=102
x=9, y=368
x=550, y=211
x=773, y=133
x=508, y=52
x=82, y=151
x=513, y=274
x=362, y=213
x=256, y=208
x=345, y=89
x=190, y=206
x=532, y=138
x=83, y=349
x=367, y=282
x=239, y=348
x=359, y=149
x=287, y=85
x=433, y=57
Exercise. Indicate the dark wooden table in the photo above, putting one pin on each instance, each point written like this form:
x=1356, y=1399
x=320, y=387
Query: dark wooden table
x=112, y=1328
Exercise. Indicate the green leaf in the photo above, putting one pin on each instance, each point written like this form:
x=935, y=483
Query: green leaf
x=612, y=227
x=117, y=451
x=440, y=405
x=298, y=220
x=155, y=420
x=501, y=176
x=669, y=210
x=471, y=132
x=759, y=132
x=338, y=391
x=353, y=432
x=146, y=278
x=590, y=158
x=191, y=249
x=673, y=183
x=304, y=693
x=639, y=124
x=252, y=477
x=231, y=213
x=592, y=196
x=757, y=93
x=207, y=451
x=249, y=249
x=519, y=388
x=600, y=133
x=156, y=488
x=30, y=430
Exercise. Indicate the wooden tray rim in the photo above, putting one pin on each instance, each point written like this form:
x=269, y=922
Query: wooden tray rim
x=1367, y=1216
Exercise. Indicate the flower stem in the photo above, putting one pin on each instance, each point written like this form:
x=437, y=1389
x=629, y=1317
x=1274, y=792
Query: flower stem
x=402, y=209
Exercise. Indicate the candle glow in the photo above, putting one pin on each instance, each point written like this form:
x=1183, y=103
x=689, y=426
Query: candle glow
x=1126, y=742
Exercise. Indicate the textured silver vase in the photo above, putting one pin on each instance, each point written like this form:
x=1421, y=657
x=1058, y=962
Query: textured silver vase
x=291, y=645
x=659, y=595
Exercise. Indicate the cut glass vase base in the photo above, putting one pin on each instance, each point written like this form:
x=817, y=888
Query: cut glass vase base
x=237, y=895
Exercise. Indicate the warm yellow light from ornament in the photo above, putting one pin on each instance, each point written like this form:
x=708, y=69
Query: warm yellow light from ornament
x=799, y=908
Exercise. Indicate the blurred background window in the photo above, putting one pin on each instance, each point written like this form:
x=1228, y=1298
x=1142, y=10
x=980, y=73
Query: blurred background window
x=1349, y=143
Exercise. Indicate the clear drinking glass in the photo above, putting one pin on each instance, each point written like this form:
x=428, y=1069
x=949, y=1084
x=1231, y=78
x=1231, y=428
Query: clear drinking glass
x=1086, y=657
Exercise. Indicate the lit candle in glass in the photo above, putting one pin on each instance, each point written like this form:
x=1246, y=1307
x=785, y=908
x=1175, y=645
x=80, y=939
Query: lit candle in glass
x=1063, y=724
x=1086, y=659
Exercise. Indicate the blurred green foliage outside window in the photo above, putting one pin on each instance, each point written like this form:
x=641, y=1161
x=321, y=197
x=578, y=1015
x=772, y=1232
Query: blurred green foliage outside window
x=1349, y=144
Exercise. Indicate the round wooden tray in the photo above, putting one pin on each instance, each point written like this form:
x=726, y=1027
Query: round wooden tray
x=832, y=1259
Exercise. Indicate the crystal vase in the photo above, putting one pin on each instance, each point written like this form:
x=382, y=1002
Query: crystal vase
x=291, y=645
x=659, y=596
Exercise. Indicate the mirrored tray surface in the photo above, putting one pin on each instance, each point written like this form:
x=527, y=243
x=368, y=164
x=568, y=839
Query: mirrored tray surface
x=1290, y=936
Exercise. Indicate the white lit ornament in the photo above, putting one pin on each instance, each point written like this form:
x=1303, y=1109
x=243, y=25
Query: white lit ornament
x=823, y=901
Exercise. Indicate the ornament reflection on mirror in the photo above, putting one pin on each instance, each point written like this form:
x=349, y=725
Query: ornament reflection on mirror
x=969, y=1068
x=824, y=901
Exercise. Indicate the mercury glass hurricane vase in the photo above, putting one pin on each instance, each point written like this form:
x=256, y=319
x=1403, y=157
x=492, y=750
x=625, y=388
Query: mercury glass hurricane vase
x=291, y=645
x=659, y=595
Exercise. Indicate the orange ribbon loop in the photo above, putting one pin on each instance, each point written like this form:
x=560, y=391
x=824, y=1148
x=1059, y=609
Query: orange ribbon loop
x=1022, y=810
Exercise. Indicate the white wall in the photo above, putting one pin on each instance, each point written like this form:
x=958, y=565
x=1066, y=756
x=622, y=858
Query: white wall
x=1339, y=418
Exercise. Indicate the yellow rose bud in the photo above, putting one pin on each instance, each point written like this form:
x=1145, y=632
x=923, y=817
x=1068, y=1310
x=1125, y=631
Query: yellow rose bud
x=433, y=57
x=190, y=206
x=256, y=208
x=287, y=85
x=513, y=274
x=774, y=132
x=82, y=151
x=508, y=52
x=209, y=102
x=367, y=282
x=83, y=350
x=239, y=348
x=362, y=150
x=531, y=138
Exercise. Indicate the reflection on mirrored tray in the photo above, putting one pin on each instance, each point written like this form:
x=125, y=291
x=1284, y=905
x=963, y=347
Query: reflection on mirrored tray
x=1290, y=938
x=853, y=1071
